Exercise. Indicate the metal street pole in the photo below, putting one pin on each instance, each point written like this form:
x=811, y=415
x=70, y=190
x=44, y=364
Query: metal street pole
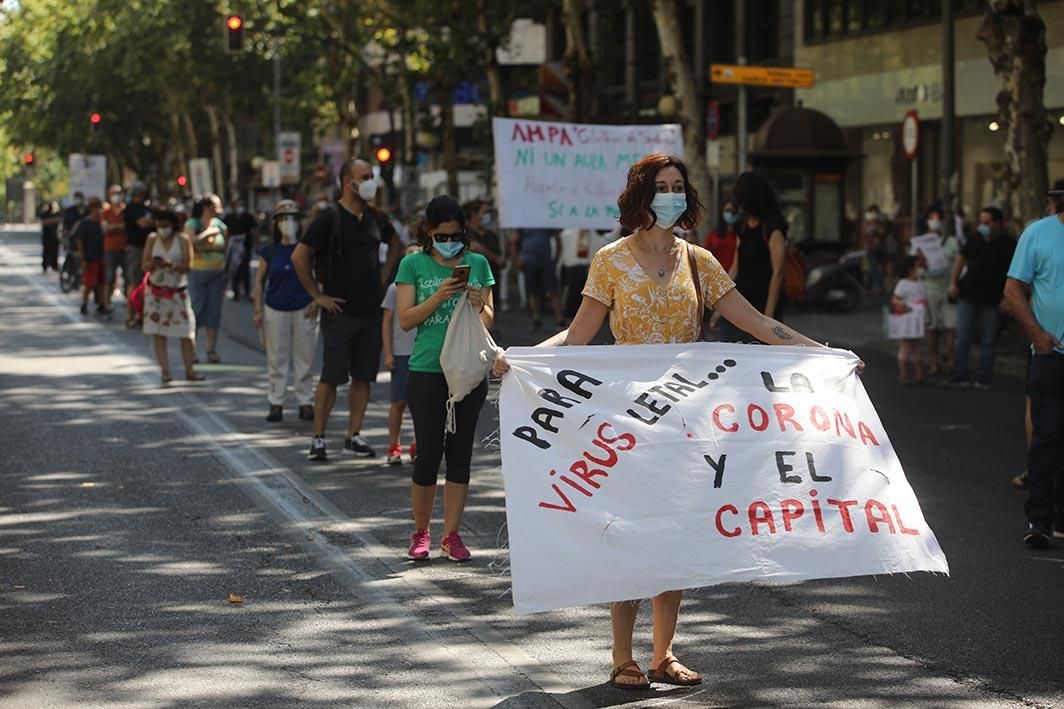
x=948, y=119
x=740, y=58
x=276, y=108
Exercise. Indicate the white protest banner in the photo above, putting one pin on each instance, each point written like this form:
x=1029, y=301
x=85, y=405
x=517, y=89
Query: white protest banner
x=288, y=150
x=930, y=246
x=88, y=175
x=569, y=175
x=632, y=470
x=199, y=174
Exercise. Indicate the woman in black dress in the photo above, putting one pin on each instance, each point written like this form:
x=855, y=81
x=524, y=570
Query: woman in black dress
x=758, y=266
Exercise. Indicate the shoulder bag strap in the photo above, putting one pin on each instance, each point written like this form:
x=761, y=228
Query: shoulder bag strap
x=693, y=263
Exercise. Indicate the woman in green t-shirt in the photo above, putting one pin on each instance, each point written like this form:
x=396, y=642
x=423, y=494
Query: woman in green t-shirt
x=426, y=295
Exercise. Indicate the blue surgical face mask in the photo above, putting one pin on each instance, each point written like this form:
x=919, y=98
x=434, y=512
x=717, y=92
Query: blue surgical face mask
x=668, y=207
x=485, y=220
x=730, y=217
x=984, y=229
x=449, y=249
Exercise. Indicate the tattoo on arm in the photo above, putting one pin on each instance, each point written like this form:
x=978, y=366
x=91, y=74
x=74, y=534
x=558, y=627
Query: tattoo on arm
x=780, y=333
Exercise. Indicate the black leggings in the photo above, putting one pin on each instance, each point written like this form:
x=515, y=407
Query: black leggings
x=426, y=395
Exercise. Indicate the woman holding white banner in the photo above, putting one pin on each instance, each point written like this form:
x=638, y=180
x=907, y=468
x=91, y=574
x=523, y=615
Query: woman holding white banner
x=655, y=288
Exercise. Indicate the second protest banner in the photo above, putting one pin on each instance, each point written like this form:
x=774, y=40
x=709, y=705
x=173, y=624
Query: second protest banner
x=569, y=175
x=632, y=470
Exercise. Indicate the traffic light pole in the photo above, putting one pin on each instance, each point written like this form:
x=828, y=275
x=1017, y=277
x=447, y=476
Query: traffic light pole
x=276, y=107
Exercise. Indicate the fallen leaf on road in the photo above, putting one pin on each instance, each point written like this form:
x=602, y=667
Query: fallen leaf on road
x=309, y=538
x=236, y=599
x=100, y=546
x=306, y=499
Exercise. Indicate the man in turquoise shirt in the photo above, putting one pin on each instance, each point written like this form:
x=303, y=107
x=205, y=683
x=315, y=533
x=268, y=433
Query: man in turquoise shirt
x=1035, y=294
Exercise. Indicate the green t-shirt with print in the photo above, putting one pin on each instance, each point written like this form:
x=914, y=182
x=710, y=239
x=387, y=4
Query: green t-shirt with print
x=426, y=275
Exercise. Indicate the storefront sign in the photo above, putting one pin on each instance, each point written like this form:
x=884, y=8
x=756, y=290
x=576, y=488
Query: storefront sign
x=632, y=470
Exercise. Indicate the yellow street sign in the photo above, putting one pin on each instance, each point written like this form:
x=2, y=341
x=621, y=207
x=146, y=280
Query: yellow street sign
x=783, y=77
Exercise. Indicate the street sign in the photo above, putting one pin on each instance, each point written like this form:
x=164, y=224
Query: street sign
x=199, y=174
x=780, y=77
x=271, y=173
x=88, y=175
x=288, y=154
x=910, y=134
x=713, y=120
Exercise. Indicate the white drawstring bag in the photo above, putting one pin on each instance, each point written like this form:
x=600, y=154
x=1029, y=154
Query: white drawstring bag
x=467, y=356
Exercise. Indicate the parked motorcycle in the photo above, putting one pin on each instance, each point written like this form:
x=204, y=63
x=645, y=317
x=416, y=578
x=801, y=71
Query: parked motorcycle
x=835, y=285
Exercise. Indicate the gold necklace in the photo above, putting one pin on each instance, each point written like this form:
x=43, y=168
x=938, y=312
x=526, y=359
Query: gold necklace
x=670, y=256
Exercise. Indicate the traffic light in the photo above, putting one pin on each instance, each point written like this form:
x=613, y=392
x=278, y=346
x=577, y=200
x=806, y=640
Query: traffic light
x=234, y=34
x=182, y=181
x=384, y=156
x=27, y=159
x=95, y=119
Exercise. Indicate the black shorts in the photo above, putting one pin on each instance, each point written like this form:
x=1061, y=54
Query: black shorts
x=539, y=278
x=352, y=346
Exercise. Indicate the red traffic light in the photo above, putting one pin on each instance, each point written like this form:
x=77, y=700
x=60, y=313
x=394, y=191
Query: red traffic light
x=28, y=158
x=182, y=180
x=95, y=119
x=234, y=22
x=383, y=155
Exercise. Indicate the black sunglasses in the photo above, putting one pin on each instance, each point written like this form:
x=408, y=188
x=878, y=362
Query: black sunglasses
x=443, y=238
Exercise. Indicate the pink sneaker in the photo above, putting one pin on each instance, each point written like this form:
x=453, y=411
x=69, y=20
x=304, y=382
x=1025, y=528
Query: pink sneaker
x=454, y=548
x=420, y=543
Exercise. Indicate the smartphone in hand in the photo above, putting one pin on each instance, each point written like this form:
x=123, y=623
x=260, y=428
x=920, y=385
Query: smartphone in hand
x=461, y=272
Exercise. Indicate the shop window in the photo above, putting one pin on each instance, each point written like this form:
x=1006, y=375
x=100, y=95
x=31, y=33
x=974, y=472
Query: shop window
x=830, y=19
x=836, y=17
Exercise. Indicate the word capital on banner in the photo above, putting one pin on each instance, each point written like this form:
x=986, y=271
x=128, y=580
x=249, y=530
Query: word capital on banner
x=646, y=468
x=569, y=175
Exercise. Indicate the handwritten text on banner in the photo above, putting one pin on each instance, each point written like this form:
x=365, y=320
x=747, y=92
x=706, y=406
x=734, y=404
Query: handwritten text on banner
x=632, y=470
x=565, y=175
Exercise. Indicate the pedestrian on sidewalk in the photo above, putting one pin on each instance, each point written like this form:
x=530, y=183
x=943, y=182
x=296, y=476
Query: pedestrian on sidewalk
x=167, y=305
x=206, y=281
x=338, y=263
x=398, y=346
x=428, y=285
x=984, y=260
x=937, y=262
x=242, y=238
x=484, y=240
x=88, y=238
x=139, y=224
x=50, y=220
x=113, y=220
x=537, y=252
x=287, y=317
x=759, y=258
x=646, y=286
x=910, y=302
x=1035, y=294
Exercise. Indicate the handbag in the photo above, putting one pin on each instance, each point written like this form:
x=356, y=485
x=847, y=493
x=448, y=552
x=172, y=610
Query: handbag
x=467, y=355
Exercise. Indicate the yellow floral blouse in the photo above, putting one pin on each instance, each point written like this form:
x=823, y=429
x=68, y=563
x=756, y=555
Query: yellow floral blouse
x=643, y=312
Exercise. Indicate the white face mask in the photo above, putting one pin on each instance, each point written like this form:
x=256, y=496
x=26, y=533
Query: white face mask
x=934, y=224
x=165, y=232
x=871, y=216
x=367, y=190
x=289, y=231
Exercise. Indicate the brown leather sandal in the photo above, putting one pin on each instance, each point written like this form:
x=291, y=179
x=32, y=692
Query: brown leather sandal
x=629, y=669
x=662, y=675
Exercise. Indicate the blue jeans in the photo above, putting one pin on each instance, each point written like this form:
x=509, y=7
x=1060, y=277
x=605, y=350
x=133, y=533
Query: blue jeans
x=975, y=321
x=1045, y=457
x=206, y=290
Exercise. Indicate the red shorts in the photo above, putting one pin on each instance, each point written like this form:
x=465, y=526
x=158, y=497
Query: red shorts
x=92, y=273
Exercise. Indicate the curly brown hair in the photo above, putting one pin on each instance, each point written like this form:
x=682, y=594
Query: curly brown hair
x=634, y=202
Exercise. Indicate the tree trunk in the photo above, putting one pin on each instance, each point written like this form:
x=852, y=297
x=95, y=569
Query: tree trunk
x=178, y=153
x=216, y=151
x=445, y=100
x=496, y=103
x=190, y=132
x=682, y=82
x=576, y=60
x=1015, y=38
x=234, y=157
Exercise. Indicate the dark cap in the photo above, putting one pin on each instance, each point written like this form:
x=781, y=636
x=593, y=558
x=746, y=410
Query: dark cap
x=1058, y=189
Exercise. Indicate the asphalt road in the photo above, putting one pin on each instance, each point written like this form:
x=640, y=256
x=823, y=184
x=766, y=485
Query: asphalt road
x=130, y=512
